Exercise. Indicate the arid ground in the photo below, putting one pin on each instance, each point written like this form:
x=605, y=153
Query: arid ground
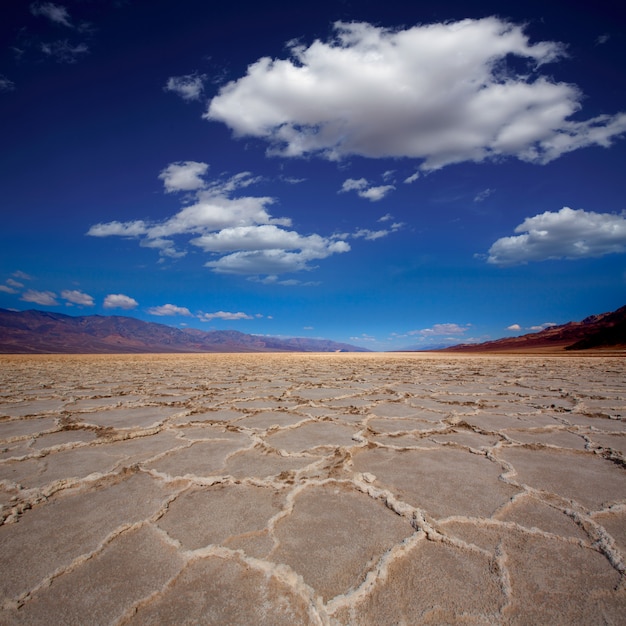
x=313, y=489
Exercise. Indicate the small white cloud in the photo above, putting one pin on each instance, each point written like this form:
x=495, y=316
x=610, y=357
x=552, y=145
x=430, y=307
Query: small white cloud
x=169, y=309
x=63, y=51
x=6, y=84
x=565, y=234
x=483, y=195
x=14, y=283
x=441, y=330
x=7, y=289
x=224, y=315
x=370, y=235
x=542, y=326
x=412, y=178
x=286, y=282
x=365, y=190
x=54, y=12
x=184, y=176
x=308, y=328
x=44, y=298
x=602, y=39
x=354, y=184
x=120, y=229
x=120, y=301
x=374, y=194
x=22, y=275
x=385, y=218
x=188, y=87
x=77, y=297
x=514, y=327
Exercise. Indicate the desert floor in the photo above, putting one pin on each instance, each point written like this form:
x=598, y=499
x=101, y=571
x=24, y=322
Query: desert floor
x=312, y=489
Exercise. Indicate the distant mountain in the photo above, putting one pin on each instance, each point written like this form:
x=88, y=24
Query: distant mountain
x=43, y=332
x=596, y=331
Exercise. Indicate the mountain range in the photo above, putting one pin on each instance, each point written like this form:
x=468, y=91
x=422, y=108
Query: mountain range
x=43, y=332
x=606, y=330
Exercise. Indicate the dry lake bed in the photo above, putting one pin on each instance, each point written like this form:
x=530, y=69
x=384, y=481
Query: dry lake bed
x=312, y=489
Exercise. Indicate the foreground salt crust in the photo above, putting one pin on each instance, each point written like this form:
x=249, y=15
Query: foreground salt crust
x=312, y=489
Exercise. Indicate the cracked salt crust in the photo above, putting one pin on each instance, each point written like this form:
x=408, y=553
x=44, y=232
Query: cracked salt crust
x=312, y=489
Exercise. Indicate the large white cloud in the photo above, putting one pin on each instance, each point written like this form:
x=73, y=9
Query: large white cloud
x=442, y=93
x=568, y=233
x=236, y=228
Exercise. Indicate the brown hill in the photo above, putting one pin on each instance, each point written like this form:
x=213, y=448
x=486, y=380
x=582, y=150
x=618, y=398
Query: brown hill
x=605, y=330
x=43, y=332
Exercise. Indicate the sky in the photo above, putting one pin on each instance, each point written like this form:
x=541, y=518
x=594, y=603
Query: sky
x=389, y=174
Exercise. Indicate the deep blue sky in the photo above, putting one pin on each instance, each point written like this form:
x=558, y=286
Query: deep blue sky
x=390, y=174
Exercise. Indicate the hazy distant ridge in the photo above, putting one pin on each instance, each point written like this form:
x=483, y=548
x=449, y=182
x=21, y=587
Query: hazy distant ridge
x=44, y=332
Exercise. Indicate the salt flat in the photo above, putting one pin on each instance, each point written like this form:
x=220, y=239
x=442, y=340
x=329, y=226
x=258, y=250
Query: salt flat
x=312, y=489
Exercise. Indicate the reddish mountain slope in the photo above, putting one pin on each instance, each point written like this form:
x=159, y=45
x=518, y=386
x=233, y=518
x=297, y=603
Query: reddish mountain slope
x=596, y=331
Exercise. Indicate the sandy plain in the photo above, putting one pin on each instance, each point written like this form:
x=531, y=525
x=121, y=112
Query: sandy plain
x=312, y=489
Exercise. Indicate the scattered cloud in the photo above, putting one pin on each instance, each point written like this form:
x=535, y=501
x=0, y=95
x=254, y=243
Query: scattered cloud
x=6, y=84
x=365, y=190
x=224, y=315
x=169, y=309
x=77, y=297
x=602, y=39
x=44, y=298
x=184, y=176
x=565, y=234
x=542, y=326
x=412, y=178
x=55, y=13
x=188, y=87
x=120, y=301
x=443, y=93
x=14, y=283
x=226, y=223
x=292, y=180
x=273, y=279
x=514, y=327
x=371, y=235
x=441, y=330
x=7, y=289
x=62, y=51
x=22, y=275
x=483, y=195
